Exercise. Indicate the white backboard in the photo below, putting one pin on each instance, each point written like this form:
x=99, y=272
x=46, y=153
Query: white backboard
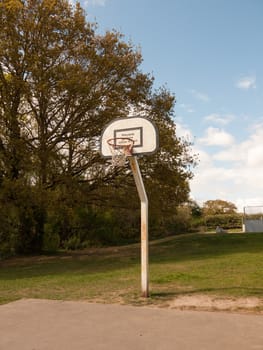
x=141, y=130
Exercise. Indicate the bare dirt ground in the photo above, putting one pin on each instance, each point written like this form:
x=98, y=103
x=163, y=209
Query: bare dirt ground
x=214, y=303
x=196, y=302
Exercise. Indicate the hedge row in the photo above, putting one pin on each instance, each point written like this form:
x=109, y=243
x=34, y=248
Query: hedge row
x=226, y=221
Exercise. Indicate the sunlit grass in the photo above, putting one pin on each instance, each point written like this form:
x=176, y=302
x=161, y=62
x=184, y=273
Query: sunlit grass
x=223, y=265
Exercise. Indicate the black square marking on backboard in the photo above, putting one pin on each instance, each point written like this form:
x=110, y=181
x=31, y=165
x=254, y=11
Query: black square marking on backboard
x=129, y=134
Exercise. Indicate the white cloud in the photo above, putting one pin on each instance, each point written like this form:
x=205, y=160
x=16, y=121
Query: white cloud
x=186, y=107
x=228, y=155
x=219, y=119
x=255, y=156
x=248, y=152
x=257, y=127
x=200, y=96
x=234, y=174
x=183, y=131
x=246, y=83
x=253, y=201
x=216, y=137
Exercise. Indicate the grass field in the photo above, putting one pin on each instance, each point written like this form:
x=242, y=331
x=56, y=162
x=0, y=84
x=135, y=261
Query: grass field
x=228, y=265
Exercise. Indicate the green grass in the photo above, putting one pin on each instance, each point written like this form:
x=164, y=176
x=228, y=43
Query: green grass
x=221, y=265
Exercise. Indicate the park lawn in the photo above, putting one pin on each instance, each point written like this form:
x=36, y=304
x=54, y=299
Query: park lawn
x=227, y=265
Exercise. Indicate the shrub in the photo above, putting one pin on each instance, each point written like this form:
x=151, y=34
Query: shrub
x=51, y=239
x=227, y=221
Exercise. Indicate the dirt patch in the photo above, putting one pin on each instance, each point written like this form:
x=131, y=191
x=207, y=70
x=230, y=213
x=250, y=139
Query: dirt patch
x=210, y=303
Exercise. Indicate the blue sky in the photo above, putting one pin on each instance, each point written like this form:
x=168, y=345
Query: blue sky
x=209, y=53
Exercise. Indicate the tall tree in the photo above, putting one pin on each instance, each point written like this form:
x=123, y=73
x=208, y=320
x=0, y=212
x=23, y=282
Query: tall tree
x=219, y=206
x=60, y=83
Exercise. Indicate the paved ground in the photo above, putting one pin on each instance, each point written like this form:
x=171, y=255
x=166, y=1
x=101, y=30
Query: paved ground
x=59, y=325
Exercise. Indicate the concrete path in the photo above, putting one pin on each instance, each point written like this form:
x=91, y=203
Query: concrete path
x=62, y=325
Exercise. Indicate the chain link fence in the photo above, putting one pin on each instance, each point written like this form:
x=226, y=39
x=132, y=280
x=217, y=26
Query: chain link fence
x=253, y=219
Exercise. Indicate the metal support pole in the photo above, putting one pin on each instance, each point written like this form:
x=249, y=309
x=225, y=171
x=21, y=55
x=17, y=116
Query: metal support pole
x=144, y=226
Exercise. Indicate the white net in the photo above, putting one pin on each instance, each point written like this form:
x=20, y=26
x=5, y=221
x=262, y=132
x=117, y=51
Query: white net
x=120, y=148
x=118, y=158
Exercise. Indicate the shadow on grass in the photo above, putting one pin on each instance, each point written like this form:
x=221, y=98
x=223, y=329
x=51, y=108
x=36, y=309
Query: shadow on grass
x=84, y=265
x=111, y=260
x=205, y=246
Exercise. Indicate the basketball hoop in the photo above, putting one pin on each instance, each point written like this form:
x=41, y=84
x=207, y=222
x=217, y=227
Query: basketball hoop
x=131, y=137
x=121, y=148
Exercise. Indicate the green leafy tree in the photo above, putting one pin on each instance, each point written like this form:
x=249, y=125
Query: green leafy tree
x=196, y=210
x=60, y=83
x=219, y=206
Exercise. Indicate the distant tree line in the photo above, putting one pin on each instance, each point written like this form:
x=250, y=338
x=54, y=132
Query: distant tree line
x=60, y=83
x=213, y=213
